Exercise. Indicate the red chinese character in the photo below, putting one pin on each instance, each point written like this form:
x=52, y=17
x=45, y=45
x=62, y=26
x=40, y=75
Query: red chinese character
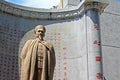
x=64, y=57
x=97, y=42
x=65, y=79
x=99, y=76
x=65, y=73
x=96, y=27
x=64, y=48
x=65, y=68
x=58, y=33
x=98, y=58
x=65, y=63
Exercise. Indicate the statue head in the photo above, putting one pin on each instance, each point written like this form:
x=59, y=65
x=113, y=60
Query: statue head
x=39, y=31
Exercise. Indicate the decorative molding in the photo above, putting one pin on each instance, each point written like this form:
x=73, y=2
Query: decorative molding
x=46, y=14
x=92, y=6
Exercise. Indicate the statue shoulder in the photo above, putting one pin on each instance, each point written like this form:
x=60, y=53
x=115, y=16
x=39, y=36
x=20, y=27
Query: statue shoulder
x=29, y=41
x=48, y=44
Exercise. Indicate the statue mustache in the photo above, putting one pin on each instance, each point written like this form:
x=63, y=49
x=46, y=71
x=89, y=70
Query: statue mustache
x=40, y=35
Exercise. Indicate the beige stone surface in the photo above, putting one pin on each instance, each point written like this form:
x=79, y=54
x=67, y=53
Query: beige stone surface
x=34, y=67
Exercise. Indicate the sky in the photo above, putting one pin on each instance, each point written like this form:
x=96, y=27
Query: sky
x=47, y=4
x=37, y=3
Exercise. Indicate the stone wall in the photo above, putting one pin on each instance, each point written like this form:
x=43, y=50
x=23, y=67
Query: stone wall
x=110, y=28
x=16, y=27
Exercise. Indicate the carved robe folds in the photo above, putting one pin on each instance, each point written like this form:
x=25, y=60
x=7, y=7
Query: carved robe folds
x=35, y=53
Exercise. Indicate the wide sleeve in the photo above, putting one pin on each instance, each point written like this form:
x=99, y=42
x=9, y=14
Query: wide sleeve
x=52, y=62
x=24, y=52
x=53, y=56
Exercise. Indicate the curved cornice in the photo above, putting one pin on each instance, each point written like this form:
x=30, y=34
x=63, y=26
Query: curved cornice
x=45, y=14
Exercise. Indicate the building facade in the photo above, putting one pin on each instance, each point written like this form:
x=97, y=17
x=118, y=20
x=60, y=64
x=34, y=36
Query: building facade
x=67, y=29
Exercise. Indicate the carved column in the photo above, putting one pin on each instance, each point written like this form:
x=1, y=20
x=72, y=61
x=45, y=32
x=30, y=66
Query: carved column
x=93, y=9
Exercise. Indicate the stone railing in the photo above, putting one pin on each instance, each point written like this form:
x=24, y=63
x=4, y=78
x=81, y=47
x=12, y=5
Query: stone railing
x=49, y=14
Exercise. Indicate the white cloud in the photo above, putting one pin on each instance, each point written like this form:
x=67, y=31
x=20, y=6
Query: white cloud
x=39, y=3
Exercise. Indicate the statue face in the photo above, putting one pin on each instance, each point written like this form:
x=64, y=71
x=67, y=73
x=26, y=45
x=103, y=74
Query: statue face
x=40, y=32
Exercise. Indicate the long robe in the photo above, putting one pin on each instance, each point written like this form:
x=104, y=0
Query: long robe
x=28, y=60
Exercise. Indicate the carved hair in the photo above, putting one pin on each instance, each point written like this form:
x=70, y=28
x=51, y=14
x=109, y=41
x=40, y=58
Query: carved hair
x=39, y=26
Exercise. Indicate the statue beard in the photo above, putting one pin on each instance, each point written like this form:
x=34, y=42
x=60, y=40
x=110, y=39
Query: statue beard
x=40, y=36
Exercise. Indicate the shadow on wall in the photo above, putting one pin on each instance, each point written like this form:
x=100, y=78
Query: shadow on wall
x=9, y=47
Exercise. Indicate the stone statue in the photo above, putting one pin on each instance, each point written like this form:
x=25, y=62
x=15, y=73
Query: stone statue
x=37, y=60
